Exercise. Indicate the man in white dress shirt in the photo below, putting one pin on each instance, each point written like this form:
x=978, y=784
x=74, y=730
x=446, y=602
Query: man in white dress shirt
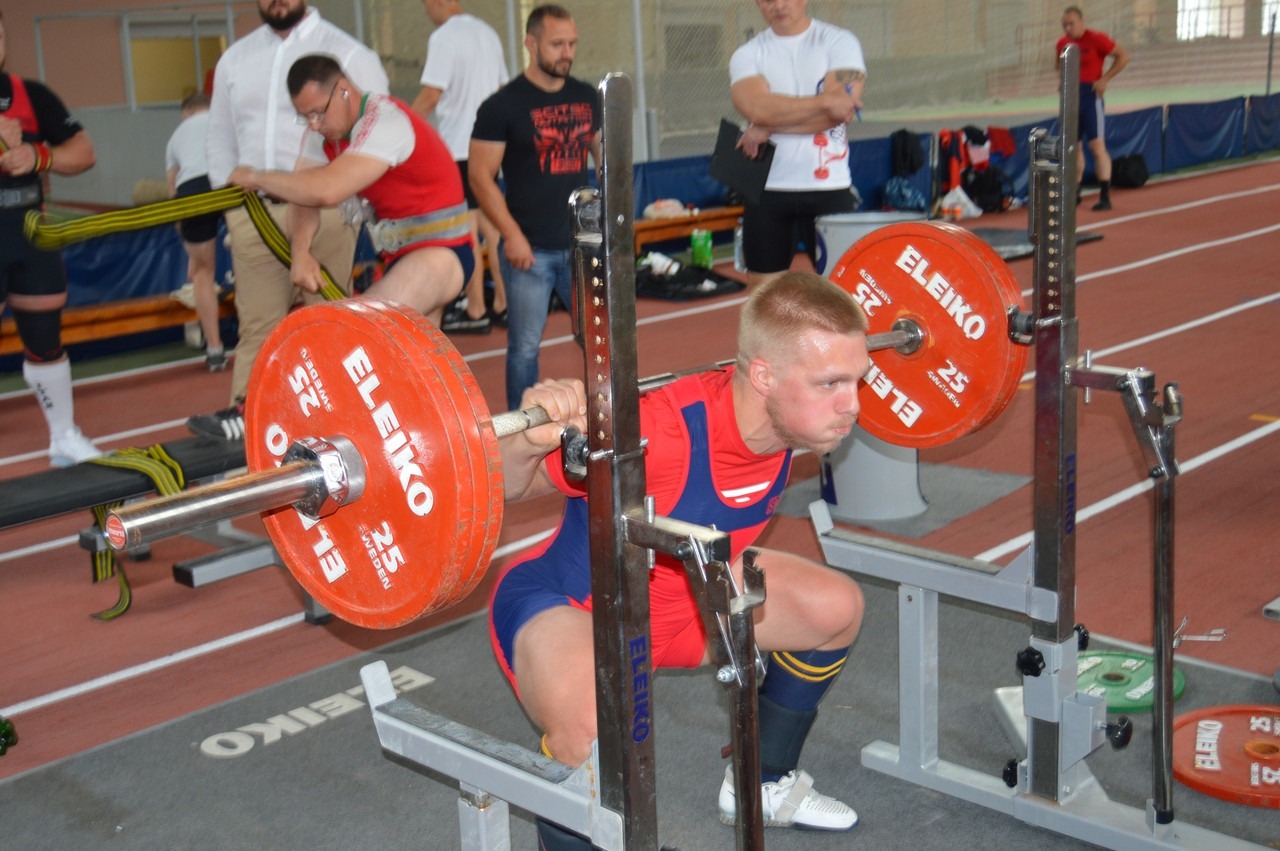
x=252, y=123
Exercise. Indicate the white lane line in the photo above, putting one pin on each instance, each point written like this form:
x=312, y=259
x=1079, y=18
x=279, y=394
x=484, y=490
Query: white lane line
x=36, y=549
x=1178, y=208
x=148, y=667
x=1024, y=540
x=1169, y=255
x=1178, y=329
x=100, y=440
x=203, y=649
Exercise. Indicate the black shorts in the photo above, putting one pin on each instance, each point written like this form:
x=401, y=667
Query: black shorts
x=472, y=203
x=773, y=229
x=24, y=270
x=198, y=228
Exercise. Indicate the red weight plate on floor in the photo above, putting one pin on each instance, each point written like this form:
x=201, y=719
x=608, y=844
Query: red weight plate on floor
x=422, y=533
x=1230, y=752
x=959, y=292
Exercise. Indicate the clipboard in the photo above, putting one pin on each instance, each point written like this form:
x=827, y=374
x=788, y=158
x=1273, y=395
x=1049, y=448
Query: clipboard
x=734, y=169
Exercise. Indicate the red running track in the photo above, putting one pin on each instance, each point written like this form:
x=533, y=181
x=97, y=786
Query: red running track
x=1183, y=283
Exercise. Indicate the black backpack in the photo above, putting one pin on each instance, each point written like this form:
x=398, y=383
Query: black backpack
x=986, y=187
x=1129, y=171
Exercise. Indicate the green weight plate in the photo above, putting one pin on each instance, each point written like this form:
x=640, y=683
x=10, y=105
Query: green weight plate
x=1124, y=679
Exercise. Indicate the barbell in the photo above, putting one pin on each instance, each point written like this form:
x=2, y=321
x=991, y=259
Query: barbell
x=374, y=459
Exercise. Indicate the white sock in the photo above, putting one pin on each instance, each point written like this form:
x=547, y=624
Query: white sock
x=51, y=382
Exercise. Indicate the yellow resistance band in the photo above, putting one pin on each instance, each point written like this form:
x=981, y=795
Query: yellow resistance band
x=167, y=475
x=49, y=235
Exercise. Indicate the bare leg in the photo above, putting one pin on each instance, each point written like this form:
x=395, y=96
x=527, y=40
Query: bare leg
x=492, y=238
x=1101, y=160
x=555, y=669
x=475, y=286
x=425, y=280
x=201, y=263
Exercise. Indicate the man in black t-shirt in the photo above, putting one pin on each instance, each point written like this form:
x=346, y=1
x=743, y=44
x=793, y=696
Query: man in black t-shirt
x=539, y=129
x=37, y=135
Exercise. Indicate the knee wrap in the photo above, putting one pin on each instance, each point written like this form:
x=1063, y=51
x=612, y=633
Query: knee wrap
x=782, y=735
x=41, y=334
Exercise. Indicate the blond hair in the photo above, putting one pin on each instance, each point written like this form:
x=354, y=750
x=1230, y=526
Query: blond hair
x=782, y=309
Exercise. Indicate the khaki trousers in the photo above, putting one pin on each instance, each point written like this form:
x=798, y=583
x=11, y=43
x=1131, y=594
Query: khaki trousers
x=264, y=293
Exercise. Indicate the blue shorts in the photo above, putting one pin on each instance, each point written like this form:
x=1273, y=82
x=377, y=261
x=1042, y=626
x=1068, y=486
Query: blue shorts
x=1092, y=118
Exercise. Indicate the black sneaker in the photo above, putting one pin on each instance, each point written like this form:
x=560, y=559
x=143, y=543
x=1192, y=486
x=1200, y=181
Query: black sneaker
x=1104, y=204
x=215, y=361
x=461, y=323
x=227, y=424
x=498, y=319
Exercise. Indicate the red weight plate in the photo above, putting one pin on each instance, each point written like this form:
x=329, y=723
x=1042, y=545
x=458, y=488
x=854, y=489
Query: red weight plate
x=959, y=291
x=1230, y=752
x=421, y=535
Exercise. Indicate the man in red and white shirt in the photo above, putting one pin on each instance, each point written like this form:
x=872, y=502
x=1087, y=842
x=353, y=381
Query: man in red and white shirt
x=378, y=148
x=1095, y=46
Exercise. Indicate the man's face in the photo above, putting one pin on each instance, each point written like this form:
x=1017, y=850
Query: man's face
x=282, y=15
x=322, y=107
x=435, y=11
x=1073, y=25
x=784, y=17
x=554, y=48
x=813, y=397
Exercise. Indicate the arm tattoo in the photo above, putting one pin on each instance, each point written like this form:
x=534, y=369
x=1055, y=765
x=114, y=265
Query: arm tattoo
x=845, y=76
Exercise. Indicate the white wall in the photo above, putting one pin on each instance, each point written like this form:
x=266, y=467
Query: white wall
x=129, y=145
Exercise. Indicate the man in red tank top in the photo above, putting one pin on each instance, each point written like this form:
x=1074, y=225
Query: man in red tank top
x=377, y=148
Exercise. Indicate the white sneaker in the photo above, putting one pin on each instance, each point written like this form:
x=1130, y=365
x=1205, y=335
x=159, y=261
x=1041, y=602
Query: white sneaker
x=71, y=447
x=790, y=802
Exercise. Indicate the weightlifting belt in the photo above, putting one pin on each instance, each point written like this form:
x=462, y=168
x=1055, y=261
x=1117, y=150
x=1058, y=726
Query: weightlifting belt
x=390, y=235
x=22, y=196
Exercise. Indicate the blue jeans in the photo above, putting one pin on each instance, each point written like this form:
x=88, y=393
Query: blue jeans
x=528, y=303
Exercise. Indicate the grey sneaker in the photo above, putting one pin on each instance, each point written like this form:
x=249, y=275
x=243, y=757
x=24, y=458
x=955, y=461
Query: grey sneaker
x=216, y=361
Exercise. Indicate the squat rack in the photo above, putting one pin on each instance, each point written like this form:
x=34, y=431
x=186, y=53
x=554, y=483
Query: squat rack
x=1051, y=787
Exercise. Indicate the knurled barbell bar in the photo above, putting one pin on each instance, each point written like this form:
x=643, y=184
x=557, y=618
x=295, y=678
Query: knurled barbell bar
x=319, y=475
x=374, y=460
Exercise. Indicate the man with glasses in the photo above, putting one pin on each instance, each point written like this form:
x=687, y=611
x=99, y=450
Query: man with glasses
x=376, y=147
x=252, y=122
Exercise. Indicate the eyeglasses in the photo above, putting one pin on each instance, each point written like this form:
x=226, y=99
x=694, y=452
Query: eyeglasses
x=313, y=119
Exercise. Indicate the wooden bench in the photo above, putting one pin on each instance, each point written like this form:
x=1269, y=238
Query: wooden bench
x=114, y=319
x=658, y=230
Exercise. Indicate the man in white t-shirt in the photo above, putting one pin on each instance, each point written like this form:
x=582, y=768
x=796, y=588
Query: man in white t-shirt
x=464, y=66
x=798, y=83
x=377, y=147
x=252, y=122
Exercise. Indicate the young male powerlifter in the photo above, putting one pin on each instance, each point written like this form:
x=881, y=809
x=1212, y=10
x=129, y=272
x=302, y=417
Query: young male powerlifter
x=718, y=452
x=38, y=135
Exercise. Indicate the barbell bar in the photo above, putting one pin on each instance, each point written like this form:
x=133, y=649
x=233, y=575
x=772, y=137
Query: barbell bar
x=374, y=460
x=320, y=475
